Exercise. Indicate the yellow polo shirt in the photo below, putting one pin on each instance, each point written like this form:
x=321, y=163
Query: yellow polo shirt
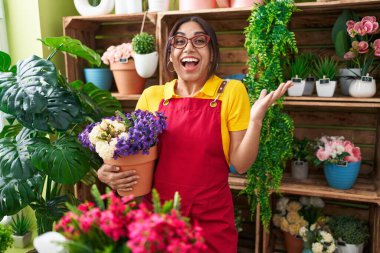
x=235, y=104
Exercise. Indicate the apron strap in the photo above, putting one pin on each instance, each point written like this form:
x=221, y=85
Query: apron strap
x=220, y=91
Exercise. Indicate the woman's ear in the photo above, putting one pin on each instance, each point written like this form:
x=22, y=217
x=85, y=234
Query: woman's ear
x=170, y=58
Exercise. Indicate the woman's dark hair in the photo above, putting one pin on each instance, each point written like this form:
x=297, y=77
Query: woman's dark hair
x=208, y=30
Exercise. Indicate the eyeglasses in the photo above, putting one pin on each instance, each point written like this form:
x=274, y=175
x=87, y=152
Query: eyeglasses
x=198, y=41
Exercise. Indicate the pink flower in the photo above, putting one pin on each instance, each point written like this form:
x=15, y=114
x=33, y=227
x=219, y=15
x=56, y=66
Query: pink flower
x=116, y=53
x=350, y=55
x=322, y=154
x=360, y=29
x=363, y=47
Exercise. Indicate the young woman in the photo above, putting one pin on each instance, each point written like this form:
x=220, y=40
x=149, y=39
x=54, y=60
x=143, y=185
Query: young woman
x=210, y=126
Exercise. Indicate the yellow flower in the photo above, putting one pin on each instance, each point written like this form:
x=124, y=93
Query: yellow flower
x=294, y=228
x=294, y=206
x=293, y=217
x=284, y=225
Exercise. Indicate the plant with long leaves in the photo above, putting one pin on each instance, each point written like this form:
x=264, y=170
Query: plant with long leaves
x=39, y=150
x=268, y=42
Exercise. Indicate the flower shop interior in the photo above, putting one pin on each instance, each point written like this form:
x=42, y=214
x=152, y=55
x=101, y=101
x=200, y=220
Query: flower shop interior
x=314, y=186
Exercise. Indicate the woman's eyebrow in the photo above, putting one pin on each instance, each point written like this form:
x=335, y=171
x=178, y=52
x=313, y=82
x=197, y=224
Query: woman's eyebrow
x=183, y=34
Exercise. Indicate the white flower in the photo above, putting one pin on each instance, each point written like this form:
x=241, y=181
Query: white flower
x=95, y=134
x=317, y=247
x=119, y=127
x=105, y=123
x=317, y=202
x=331, y=248
x=125, y=135
x=302, y=232
x=326, y=236
x=305, y=200
x=281, y=204
x=106, y=150
x=312, y=227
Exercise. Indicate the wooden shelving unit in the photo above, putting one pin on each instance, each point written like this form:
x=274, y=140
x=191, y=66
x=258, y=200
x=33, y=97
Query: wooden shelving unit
x=357, y=119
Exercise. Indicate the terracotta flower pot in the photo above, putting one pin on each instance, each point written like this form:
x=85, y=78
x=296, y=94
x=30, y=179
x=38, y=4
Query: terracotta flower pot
x=292, y=243
x=144, y=167
x=126, y=78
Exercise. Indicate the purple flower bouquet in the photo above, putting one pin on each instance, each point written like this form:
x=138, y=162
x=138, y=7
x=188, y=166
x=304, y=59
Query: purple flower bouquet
x=129, y=142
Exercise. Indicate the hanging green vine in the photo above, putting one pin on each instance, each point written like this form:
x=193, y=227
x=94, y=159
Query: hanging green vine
x=268, y=43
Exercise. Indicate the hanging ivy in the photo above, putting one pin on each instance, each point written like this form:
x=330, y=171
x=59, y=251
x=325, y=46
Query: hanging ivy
x=269, y=43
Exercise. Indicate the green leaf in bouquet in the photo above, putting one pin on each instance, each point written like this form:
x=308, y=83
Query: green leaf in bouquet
x=97, y=197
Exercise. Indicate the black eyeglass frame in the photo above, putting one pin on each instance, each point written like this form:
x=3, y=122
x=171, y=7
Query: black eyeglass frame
x=189, y=39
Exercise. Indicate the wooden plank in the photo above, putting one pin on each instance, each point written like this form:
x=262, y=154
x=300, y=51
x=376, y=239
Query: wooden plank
x=377, y=157
x=316, y=37
x=231, y=39
x=117, y=18
x=233, y=55
x=345, y=118
x=124, y=29
x=258, y=228
x=375, y=228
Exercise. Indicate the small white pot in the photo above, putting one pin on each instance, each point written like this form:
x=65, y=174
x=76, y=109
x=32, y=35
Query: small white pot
x=158, y=5
x=146, y=64
x=362, y=89
x=309, y=86
x=326, y=89
x=22, y=241
x=350, y=248
x=86, y=9
x=134, y=6
x=297, y=89
x=50, y=242
x=300, y=169
x=346, y=76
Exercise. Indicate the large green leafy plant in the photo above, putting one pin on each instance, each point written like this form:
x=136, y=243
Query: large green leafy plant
x=39, y=150
x=268, y=42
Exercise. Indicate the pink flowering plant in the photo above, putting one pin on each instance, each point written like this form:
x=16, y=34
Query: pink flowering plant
x=365, y=45
x=119, y=53
x=121, y=225
x=337, y=150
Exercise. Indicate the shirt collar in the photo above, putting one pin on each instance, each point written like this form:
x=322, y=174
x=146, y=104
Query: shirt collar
x=209, y=88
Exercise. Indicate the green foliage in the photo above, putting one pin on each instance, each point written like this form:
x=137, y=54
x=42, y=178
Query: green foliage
x=302, y=150
x=143, y=43
x=5, y=238
x=40, y=147
x=268, y=43
x=340, y=37
x=21, y=225
x=168, y=205
x=350, y=229
x=326, y=67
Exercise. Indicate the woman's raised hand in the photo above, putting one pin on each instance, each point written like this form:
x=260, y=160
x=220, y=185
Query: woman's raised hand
x=265, y=100
x=122, y=181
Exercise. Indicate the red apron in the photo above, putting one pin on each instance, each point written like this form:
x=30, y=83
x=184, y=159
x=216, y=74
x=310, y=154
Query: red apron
x=192, y=162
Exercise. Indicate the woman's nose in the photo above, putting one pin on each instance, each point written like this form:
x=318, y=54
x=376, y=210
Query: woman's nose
x=189, y=47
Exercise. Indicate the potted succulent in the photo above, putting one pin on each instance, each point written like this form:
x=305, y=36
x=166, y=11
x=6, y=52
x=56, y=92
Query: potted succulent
x=21, y=227
x=145, y=54
x=310, y=59
x=298, y=72
x=302, y=153
x=45, y=115
x=120, y=59
x=351, y=233
x=325, y=71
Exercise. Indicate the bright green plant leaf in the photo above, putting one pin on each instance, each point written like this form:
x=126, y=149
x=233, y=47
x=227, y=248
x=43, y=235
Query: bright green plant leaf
x=73, y=47
x=34, y=97
x=5, y=62
x=64, y=160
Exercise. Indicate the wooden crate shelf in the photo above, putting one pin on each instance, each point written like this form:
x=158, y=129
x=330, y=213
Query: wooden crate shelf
x=363, y=191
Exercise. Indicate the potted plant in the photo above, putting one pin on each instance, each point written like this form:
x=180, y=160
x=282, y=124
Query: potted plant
x=365, y=48
x=317, y=237
x=100, y=76
x=298, y=70
x=342, y=42
x=288, y=218
x=95, y=7
x=45, y=115
x=269, y=44
x=302, y=153
x=21, y=227
x=310, y=59
x=120, y=59
x=118, y=141
x=325, y=72
x=5, y=238
x=145, y=54
x=351, y=233
x=341, y=161
x=121, y=225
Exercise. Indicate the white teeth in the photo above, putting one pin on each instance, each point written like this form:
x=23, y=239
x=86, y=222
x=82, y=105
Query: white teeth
x=189, y=60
